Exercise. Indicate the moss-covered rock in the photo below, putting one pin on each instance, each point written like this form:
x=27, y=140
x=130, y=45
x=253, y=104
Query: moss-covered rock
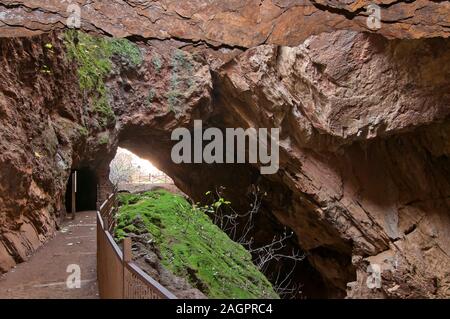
x=191, y=246
x=93, y=56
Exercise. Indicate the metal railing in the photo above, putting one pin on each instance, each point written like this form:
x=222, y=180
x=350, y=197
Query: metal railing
x=158, y=178
x=118, y=276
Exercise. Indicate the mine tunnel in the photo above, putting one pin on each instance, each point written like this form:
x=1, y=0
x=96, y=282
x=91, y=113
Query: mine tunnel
x=81, y=186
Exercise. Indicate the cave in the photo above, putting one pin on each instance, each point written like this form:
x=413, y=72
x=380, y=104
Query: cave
x=364, y=118
x=85, y=186
x=305, y=281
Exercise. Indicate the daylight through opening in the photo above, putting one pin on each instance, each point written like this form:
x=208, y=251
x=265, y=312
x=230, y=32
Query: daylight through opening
x=130, y=172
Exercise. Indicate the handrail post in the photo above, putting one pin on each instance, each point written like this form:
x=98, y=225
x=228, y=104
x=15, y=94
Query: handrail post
x=127, y=257
x=127, y=253
x=105, y=224
x=74, y=195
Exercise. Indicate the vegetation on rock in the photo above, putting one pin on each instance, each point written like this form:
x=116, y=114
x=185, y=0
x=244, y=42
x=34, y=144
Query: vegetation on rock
x=157, y=62
x=191, y=246
x=83, y=131
x=179, y=83
x=93, y=56
x=103, y=140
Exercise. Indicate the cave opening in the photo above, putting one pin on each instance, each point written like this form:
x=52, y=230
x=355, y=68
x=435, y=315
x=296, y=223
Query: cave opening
x=81, y=191
x=130, y=168
x=292, y=279
x=129, y=172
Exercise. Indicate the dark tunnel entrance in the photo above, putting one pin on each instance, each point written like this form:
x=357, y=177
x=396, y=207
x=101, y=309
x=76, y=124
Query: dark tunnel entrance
x=82, y=185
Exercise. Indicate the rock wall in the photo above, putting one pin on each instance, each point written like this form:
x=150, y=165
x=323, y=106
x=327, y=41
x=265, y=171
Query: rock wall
x=364, y=153
x=46, y=131
x=235, y=23
x=357, y=114
x=364, y=121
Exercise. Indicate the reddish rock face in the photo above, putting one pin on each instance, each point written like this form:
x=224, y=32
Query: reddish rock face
x=364, y=150
x=234, y=23
x=45, y=131
x=362, y=183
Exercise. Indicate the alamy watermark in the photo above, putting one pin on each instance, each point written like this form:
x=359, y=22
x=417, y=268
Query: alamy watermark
x=374, y=271
x=73, y=281
x=374, y=16
x=373, y=280
x=74, y=19
x=229, y=148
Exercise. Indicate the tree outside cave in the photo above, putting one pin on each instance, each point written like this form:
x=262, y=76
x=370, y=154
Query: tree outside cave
x=128, y=168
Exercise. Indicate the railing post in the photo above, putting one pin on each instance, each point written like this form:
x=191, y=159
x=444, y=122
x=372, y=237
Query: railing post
x=105, y=223
x=127, y=253
x=127, y=257
x=74, y=194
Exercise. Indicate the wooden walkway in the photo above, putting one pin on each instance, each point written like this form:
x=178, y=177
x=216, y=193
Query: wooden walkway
x=45, y=274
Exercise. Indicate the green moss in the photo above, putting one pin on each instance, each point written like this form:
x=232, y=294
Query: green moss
x=102, y=107
x=150, y=96
x=103, y=140
x=93, y=56
x=83, y=131
x=126, y=49
x=180, y=63
x=157, y=62
x=173, y=100
x=192, y=246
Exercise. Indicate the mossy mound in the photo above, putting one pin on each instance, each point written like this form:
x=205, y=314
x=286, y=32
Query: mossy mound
x=191, y=246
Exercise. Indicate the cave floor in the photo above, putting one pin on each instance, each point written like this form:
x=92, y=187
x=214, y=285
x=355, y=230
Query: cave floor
x=44, y=275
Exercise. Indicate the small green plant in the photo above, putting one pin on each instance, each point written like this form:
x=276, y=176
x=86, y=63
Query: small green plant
x=173, y=100
x=103, y=140
x=180, y=61
x=151, y=96
x=221, y=201
x=157, y=62
x=83, y=131
x=45, y=69
x=49, y=47
x=102, y=107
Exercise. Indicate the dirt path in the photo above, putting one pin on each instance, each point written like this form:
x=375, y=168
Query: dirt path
x=45, y=274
